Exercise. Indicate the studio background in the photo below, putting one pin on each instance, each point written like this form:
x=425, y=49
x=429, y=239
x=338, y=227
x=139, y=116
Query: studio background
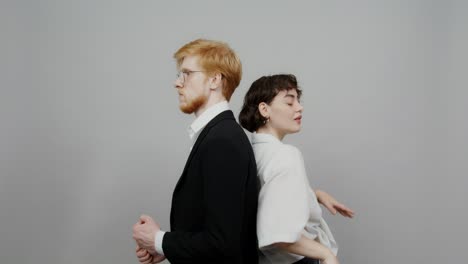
x=91, y=135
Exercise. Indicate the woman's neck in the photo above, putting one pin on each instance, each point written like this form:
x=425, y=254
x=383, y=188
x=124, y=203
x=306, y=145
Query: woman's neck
x=271, y=131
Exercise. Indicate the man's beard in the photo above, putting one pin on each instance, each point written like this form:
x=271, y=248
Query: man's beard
x=193, y=105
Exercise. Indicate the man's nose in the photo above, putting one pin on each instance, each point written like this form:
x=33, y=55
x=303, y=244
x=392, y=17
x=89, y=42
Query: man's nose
x=178, y=84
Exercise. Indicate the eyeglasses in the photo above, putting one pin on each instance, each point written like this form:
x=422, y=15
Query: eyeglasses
x=185, y=74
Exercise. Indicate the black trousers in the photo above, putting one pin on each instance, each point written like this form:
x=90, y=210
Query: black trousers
x=307, y=261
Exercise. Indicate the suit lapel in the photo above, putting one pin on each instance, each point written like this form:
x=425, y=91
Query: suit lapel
x=223, y=115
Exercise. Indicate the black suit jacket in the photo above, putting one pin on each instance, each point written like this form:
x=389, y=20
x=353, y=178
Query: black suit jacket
x=214, y=204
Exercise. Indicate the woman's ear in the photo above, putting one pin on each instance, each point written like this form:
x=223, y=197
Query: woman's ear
x=264, y=110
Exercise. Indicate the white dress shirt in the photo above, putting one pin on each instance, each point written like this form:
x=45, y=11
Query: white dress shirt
x=200, y=122
x=288, y=207
x=194, y=131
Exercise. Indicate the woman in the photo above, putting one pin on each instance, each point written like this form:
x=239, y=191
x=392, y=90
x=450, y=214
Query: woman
x=290, y=226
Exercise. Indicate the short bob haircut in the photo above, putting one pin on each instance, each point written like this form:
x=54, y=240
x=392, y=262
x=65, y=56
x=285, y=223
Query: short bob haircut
x=264, y=90
x=214, y=57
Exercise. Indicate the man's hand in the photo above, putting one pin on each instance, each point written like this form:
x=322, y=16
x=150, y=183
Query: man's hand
x=145, y=257
x=144, y=233
x=333, y=205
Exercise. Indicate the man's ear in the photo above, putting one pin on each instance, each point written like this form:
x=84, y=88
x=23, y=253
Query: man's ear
x=264, y=109
x=216, y=81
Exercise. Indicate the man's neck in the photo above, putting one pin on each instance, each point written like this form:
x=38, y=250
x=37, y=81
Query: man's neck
x=207, y=105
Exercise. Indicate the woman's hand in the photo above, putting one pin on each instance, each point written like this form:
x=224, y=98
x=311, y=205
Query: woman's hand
x=331, y=259
x=333, y=205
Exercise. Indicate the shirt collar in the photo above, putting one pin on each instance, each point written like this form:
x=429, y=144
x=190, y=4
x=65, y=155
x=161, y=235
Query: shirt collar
x=263, y=138
x=201, y=121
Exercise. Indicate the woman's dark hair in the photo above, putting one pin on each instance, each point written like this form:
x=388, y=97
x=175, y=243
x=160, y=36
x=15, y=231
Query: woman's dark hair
x=264, y=90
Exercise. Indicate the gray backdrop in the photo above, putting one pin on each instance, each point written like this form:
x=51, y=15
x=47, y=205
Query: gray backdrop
x=91, y=135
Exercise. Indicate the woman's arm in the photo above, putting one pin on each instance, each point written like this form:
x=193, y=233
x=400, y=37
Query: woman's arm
x=309, y=248
x=332, y=204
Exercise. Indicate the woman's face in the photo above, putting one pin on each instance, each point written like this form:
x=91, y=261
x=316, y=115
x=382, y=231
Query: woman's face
x=285, y=113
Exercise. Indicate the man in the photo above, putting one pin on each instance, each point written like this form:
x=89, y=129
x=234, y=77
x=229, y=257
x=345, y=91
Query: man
x=214, y=204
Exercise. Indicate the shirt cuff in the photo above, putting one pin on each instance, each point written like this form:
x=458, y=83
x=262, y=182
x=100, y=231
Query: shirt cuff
x=158, y=242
